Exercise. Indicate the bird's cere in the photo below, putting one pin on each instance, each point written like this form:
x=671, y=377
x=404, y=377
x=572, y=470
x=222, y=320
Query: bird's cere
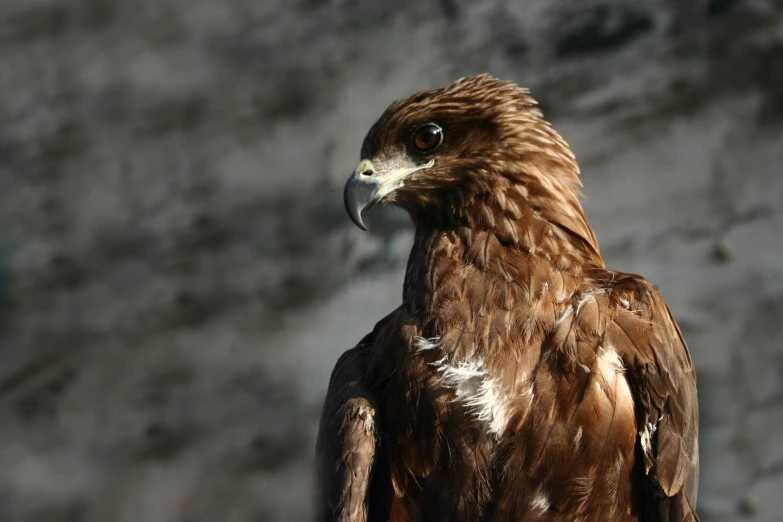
x=365, y=168
x=372, y=181
x=393, y=177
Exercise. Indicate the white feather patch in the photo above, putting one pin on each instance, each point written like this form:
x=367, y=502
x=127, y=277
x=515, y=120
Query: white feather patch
x=422, y=344
x=540, y=502
x=610, y=363
x=564, y=315
x=578, y=437
x=645, y=437
x=585, y=298
x=474, y=387
x=610, y=379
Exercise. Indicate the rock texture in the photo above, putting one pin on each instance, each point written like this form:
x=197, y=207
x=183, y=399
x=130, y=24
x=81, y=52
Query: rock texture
x=177, y=276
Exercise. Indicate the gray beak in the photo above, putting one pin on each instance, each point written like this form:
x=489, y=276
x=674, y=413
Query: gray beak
x=370, y=183
x=359, y=195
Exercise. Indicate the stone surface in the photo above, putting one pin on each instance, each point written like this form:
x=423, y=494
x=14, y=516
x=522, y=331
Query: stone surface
x=177, y=276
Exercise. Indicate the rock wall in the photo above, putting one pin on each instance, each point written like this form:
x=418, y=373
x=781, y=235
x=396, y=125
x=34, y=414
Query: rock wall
x=177, y=275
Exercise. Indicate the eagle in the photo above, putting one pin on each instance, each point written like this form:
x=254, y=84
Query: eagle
x=520, y=379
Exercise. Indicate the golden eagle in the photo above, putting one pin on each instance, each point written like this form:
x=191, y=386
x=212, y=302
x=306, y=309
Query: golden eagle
x=519, y=379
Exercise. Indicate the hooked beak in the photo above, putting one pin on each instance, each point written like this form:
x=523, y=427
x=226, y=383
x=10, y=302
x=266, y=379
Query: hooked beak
x=368, y=185
x=361, y=192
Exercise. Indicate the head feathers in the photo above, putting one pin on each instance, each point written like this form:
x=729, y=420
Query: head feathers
x=500, y=166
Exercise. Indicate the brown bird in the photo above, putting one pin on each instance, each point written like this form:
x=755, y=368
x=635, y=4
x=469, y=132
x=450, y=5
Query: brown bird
x=519, y=379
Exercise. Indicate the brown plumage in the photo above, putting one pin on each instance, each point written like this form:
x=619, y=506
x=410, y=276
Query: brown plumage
x=519, y=379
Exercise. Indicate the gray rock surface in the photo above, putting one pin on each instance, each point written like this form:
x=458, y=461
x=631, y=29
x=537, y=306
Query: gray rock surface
x=177, y=276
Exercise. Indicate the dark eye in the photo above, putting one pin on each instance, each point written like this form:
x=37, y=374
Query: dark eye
x=428, y=138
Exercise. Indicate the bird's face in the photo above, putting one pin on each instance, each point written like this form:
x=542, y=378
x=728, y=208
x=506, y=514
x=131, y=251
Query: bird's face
x=436, y=147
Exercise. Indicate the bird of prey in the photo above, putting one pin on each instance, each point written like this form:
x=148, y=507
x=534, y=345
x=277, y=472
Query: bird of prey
x=520, y=379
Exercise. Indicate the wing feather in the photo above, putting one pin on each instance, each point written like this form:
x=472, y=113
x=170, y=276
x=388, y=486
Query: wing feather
x=346, y=446
x=663, y=383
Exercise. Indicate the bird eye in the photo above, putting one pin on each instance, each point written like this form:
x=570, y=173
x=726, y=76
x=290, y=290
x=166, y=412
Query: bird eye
x=428, y=138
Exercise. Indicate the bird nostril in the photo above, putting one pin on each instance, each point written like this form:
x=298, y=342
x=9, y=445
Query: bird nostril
x=364, y=169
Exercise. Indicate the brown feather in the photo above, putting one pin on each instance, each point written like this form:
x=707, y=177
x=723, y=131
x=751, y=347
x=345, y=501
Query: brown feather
x=520, y=379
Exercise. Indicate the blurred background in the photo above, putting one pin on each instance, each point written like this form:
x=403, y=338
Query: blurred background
x=178, y=276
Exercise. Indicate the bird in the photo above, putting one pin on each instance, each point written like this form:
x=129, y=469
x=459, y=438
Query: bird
x=519, y=379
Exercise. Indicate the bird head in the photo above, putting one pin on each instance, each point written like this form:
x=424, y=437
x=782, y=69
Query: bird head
x=437, y=152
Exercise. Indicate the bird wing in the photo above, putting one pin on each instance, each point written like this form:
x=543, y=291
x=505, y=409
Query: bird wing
x=346, y=446
x=663, y=382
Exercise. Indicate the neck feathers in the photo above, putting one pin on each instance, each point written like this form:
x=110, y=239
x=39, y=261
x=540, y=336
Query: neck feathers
x=503, y=249
x=508, y=263
x=525, y=192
